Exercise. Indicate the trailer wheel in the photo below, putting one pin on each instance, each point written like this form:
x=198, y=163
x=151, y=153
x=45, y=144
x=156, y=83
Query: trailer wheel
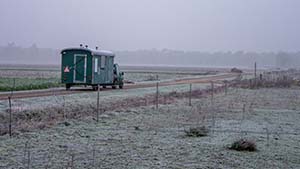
x=68, y=86
x=95, y=88
x=114, y=87
x=121, y=86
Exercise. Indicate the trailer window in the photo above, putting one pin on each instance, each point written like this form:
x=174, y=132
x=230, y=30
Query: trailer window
x=96, y=65
x=102, y=62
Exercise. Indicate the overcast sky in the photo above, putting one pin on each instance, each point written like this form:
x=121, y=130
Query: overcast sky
x=202, y=25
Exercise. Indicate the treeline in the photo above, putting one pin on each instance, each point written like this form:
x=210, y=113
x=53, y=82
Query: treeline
x=223, y=59
x=12, y=54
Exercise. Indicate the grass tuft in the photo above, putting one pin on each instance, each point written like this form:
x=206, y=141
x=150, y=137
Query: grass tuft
x=243, y=145
x=197, y=132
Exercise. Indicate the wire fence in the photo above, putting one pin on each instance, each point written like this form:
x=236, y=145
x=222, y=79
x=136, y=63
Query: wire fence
x=19, y=118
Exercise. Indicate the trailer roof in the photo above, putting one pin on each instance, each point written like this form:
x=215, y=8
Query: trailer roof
x=93, y=52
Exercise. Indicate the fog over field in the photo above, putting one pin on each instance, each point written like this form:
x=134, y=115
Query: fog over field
x=147, y=32
x=194, y=84
x=12, y=54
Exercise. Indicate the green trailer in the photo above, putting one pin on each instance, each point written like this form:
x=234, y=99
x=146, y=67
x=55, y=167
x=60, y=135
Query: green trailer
x=83, y=66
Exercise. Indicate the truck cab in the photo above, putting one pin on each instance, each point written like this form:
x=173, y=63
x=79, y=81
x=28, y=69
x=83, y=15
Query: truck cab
x=118, y=76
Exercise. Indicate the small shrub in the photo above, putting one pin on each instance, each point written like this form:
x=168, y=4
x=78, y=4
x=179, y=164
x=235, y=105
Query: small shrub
x=243, y=145
x=66, y=123
x=197, y=132
x=236, y=70
x=174, y=94
x=151, y=78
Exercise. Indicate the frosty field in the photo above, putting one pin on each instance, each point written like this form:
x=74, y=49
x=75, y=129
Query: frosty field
x=144, y=137
x=16, y=77
x=140, y=84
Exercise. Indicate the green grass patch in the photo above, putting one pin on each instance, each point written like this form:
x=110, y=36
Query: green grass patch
x=17, y=84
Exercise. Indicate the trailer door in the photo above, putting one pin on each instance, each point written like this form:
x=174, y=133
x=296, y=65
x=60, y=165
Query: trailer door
x=110, y=74
x=80, y=68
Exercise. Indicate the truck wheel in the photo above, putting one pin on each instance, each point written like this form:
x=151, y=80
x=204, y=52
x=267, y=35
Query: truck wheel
x=68, y=86
x=114, y=87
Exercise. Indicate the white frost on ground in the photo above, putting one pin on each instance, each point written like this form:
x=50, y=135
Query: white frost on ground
x=91, y=97
x=147, y=138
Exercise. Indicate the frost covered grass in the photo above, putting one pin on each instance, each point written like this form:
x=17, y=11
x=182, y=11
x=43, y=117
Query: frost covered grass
x=30, y=73
x=35, y=113
x=140, y=77
x=144, y=137
x=150, y=77
x=37, y=78
x=91, y=97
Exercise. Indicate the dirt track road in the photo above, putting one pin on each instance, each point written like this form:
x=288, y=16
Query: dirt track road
x=49, y=92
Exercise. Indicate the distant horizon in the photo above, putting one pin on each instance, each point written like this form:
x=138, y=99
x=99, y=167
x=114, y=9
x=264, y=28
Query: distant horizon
x=149, y=49
x=193, y=25
x=13, y=54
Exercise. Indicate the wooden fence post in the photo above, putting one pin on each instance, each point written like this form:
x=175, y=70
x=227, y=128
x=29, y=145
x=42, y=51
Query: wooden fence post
x=27, y=147
x=94, y=157
x=212, y=92
x=157, y=95
x=255, y=80
x=98, y=102
x=10, y=116
x=14, y=87
x=190, y=95
x=226, y=88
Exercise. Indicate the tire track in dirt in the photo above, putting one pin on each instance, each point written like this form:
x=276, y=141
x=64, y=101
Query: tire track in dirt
x=51, y=92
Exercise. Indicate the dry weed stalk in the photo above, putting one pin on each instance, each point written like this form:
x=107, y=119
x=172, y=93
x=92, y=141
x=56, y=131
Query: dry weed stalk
x=26, y=157
x=94, y=156
x=70, y=164
x=48, y=158
x=268, y=136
